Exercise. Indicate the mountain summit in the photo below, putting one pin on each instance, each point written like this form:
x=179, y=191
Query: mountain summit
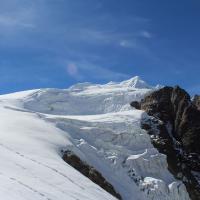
x=136, y=82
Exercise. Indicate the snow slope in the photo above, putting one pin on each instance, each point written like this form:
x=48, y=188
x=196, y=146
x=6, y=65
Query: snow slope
x=94, y=121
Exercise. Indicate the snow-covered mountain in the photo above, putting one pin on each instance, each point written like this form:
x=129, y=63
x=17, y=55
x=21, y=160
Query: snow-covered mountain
x=95, y=122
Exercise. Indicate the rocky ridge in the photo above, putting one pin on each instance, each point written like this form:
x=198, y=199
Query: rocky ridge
x=174, y=126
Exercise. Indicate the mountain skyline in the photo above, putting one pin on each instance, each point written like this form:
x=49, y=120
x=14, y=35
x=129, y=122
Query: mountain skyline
x=80, y=137
x=57, y=44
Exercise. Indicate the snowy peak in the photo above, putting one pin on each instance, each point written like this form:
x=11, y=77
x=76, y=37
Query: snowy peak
x=88, y=98
x=136, y=82
x=97, y=124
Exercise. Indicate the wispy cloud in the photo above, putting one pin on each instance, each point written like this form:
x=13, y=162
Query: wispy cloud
x=15, y=21
x=101, y=30
x=128, y=44
x=46, y=30
x=110, y=37
x=145, y=34
x=18, y=16
x=82, y=70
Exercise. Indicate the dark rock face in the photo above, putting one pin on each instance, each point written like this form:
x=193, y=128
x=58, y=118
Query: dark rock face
x=178, y=120
x=89, y=171
x=196, y=101
x=173, y=106
x=135, y=104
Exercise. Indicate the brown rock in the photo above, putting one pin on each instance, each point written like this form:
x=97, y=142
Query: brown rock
x=179, y=132
x=135, y=104
x=173, y=105
x=90, y=172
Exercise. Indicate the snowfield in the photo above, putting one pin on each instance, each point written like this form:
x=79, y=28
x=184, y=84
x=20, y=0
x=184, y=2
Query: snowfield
x=97, y=123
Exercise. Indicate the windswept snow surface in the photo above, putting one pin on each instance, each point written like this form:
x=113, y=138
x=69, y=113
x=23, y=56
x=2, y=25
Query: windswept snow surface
x=97, y=123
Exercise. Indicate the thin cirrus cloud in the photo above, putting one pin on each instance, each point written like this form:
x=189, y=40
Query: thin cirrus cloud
x=50, y=33
x=107, y=37
x=17, y=15
x=146, y=34
x=81, y=70
x=128, y=44
x=37, y=17
x=14, y=21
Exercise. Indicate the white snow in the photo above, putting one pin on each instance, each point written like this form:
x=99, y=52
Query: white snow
x=94, y=121
x=88, y=99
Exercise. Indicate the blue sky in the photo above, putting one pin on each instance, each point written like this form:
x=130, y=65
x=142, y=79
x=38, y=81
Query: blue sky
x=56, y=43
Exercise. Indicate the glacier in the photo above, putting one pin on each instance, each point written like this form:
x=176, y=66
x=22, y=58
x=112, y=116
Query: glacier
x=98, y=124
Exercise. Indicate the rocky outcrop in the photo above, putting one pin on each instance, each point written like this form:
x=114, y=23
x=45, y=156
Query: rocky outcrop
x=178, y=120
x=196, y=101
x=135, y=104
x=174, y=107
x=89, y=171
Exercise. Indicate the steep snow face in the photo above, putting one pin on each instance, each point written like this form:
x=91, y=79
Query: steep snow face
x=95, y=122
x=31, y=167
